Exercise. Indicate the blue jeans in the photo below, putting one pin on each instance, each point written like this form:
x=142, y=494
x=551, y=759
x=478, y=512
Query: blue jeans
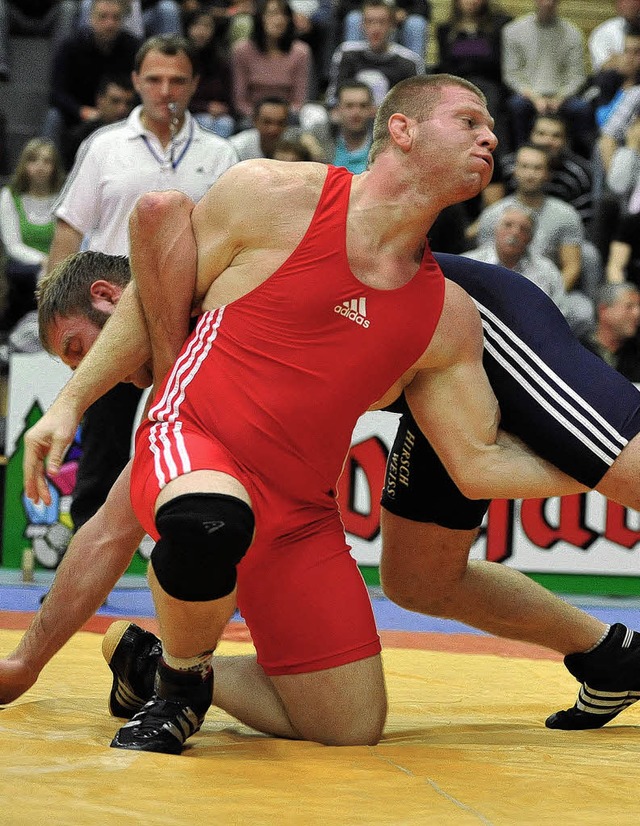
x=222, y=125
x=575, y=110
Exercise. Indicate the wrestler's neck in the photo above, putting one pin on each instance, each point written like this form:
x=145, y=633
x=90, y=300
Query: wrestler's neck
x=392, y=208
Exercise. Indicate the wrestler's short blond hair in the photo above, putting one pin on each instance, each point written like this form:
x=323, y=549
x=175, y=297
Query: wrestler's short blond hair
x=416, y=97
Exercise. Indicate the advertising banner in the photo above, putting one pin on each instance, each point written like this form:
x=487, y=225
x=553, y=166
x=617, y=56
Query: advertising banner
x=573, y=535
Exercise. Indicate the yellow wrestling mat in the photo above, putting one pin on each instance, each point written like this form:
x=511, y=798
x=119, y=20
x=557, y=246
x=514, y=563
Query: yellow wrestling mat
x=465, y=745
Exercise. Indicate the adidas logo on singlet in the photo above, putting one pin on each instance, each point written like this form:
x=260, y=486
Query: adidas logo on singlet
x=354, y=310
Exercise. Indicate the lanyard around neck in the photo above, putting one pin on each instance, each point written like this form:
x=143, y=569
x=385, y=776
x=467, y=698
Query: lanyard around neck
x=173, y=161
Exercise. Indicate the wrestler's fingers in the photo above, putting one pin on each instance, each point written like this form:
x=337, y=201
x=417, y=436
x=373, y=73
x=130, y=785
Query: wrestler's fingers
x=32, y=466
x=36, y=488
x=36, y=450
x=31, y=490
x=15, y=679
x=57, y=452
x=35, y=482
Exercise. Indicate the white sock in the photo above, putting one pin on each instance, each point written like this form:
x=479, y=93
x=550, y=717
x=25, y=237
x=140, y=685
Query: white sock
x=200, y=664
x=602, y=639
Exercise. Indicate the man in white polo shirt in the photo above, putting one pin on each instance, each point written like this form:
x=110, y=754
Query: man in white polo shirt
x=158, y=147
x=153, y=149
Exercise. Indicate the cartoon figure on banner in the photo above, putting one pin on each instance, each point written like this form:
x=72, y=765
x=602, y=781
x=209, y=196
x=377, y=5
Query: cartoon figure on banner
x=49, y=527
x=43, y=533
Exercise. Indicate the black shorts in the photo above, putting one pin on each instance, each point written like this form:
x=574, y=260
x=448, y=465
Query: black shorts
x=563, y=401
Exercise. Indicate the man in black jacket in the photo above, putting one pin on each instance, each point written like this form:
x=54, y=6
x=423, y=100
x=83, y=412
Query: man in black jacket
x=90, y=53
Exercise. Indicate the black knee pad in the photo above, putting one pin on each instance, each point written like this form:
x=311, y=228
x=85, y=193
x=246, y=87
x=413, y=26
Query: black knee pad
x=203, y=536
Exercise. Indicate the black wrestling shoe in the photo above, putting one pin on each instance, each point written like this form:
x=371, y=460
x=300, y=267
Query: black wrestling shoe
x=132, y=654
x=175, y=712
x=610, y=677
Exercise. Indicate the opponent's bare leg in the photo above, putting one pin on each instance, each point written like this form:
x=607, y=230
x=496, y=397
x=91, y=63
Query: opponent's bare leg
x=425, y=568
x=621, y=482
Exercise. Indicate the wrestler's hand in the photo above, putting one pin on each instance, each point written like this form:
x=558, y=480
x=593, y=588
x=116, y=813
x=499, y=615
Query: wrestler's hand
x=50, y=437
x=15, y=679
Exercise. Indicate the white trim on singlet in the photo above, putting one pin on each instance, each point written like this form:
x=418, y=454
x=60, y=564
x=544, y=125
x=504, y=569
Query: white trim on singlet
x=165, y=436
x=534, y=375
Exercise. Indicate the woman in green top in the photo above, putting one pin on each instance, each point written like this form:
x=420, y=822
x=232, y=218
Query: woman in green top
x=27, y=224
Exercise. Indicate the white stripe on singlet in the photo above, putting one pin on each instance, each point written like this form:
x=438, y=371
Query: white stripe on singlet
x=170, y=457
x=536, y=377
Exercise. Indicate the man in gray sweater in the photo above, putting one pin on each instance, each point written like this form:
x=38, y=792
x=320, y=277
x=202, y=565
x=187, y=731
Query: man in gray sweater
x=543, y=65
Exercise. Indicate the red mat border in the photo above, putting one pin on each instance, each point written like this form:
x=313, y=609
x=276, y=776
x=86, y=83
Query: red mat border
x=420, y=640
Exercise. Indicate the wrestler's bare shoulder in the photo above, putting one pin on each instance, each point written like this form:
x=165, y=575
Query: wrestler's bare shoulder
x=283, y=173
x=257, y=184
x=259, y=215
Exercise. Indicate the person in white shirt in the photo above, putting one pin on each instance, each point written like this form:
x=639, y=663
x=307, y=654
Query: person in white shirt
x=606, y=41
x=154, y=149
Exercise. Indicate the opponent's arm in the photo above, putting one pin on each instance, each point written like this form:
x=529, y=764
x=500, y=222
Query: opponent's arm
x=163, y=251
x=163, y=261
x=179, y=249
x=96, y=558
x=454, y=405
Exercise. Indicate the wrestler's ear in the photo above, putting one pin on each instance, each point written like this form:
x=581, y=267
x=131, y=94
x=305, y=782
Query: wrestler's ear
x=105, y=295
x=399, y=126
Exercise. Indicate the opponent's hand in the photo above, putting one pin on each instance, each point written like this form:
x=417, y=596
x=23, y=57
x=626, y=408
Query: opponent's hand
x=50, y=437
x=15, y=679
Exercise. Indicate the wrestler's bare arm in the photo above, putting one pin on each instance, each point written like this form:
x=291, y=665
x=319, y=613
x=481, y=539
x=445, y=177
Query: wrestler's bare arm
x=98, y=555
x=454, y=405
